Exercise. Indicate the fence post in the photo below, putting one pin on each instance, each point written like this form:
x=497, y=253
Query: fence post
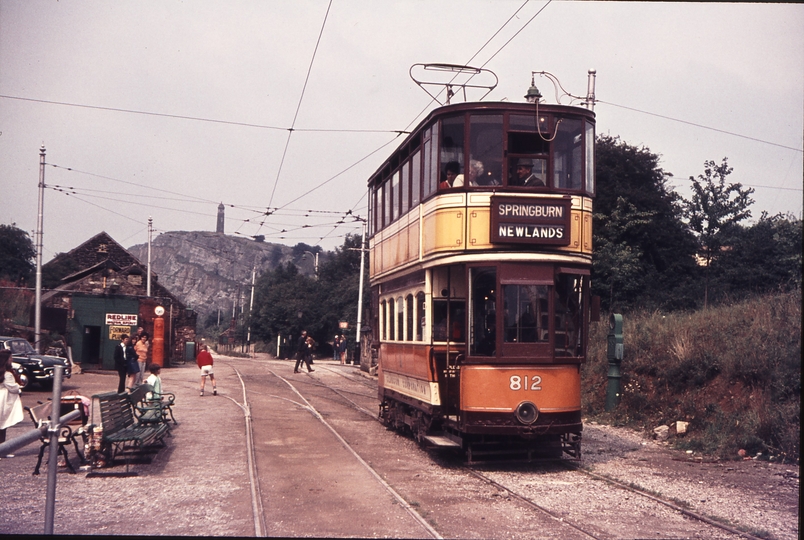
x=53, y=463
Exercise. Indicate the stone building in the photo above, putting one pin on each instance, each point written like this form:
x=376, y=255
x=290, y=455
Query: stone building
x=100, y=293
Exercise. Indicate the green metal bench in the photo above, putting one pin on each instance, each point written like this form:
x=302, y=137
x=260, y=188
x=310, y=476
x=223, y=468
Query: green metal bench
x=146, y=411
x=150, y=407
x=122, y=433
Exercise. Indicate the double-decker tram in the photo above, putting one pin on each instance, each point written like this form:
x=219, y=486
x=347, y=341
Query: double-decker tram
x=480, y=238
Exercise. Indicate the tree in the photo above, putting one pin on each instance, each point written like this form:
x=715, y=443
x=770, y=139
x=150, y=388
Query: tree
x=617, y=264
x=287, y=301
x=713, y=211
x=17, y=255
x=644, y=254
x=762, y=258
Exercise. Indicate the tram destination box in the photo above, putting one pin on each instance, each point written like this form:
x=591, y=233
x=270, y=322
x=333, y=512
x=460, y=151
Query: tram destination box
x=535, y=221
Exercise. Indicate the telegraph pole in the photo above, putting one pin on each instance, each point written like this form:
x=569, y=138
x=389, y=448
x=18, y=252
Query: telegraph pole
x=250, y=309
x=150, y=234
x=360, y=289
x=39, y=227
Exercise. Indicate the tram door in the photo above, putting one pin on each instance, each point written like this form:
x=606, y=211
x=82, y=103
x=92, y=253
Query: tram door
x=449, y=333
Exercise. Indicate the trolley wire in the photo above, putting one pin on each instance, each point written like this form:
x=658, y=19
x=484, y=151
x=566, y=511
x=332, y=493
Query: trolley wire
x=699, y=125
x=298, y=106
x=194, y=118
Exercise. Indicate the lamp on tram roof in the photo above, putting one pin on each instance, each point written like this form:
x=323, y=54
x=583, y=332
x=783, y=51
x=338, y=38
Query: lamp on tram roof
x=533, y=95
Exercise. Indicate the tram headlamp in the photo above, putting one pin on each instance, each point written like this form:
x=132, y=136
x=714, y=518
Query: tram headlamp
x=526, y=412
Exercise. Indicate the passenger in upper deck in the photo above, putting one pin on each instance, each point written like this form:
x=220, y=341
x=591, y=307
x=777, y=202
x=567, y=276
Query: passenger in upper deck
x=524, y=174
x=478, y=176
x=454, y=178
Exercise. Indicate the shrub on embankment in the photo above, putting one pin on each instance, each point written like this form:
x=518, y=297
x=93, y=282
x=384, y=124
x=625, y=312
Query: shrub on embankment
x=733, y=372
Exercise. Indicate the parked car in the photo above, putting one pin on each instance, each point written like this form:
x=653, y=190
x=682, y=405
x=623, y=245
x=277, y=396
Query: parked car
x=23, y=377
x=35, y=367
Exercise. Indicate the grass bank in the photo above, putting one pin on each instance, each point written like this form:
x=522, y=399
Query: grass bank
x=733, y=372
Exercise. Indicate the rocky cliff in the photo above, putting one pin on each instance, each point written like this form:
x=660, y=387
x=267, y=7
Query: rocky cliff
x=211, y=271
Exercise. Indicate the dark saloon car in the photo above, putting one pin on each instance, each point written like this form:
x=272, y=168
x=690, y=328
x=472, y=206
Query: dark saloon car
x=36, y=367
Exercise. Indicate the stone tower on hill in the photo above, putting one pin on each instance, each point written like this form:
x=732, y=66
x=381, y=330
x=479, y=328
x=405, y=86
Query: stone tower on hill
x=219, y=229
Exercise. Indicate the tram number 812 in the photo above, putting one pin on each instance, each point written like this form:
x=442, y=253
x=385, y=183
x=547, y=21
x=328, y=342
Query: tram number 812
x=521, y=383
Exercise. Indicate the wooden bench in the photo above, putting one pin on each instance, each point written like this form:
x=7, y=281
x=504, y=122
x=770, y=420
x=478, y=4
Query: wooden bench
x=150, y=407
x=121, y=433
x=40, y=415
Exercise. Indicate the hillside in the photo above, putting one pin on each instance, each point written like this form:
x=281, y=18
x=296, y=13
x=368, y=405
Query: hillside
x=210, y=271
x=733, y=372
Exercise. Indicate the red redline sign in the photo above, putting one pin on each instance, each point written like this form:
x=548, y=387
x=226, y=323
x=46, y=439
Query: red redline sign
x=121, y=319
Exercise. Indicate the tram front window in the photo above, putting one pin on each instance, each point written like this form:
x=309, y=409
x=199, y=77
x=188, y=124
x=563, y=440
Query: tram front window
x=527, y=172
x=452, y=151
x=526, y=313
x=486, y=150
x=568, y=155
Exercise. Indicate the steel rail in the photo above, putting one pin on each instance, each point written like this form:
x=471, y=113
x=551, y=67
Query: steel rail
x=578, y=468
x=257, y=510
x=529, y=502
x=410, y=510
x=675, y=507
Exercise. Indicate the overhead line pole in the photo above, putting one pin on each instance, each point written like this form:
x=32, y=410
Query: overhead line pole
x=150, y=234
x=39, y=228
x=360, y=289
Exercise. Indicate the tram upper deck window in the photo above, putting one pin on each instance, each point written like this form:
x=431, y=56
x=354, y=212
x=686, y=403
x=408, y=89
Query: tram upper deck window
x=394, y=195
x=485, y=150
x=568, y=154
x=404, y=190
x=416, y=179
x=528, y=150
x=452, y=138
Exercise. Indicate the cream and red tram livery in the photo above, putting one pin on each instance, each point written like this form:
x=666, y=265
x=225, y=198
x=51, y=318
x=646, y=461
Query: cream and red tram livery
x=480, y=236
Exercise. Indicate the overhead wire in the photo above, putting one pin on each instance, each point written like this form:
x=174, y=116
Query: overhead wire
x=699, y=125
x=298, y=106
x=194, y=118
x=268, y=211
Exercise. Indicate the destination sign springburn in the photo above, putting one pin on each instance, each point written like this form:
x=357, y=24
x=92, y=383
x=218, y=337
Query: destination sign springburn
x=530, y=221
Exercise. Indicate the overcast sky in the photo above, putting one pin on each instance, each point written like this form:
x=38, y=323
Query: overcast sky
x=167, y=108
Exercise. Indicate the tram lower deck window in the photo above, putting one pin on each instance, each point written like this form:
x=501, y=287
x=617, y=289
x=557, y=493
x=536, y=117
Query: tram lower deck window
x=456, y=309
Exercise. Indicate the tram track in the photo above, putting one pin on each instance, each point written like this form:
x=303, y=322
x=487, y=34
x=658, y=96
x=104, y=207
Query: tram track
x=582, y=523
x=660, y=500
x=431, y=532
x=258, y=513
x=557, y=517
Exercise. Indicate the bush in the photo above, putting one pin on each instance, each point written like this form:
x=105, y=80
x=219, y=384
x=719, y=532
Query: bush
x=733, y=372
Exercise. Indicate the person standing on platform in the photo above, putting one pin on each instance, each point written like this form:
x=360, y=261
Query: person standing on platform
x=141, y=348
x=121, y=363
x=10, y=405
x=204, y=361
x=343, y=348
x=132, y=366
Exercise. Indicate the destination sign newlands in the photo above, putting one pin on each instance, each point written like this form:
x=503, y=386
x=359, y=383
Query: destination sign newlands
x=531, y=221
